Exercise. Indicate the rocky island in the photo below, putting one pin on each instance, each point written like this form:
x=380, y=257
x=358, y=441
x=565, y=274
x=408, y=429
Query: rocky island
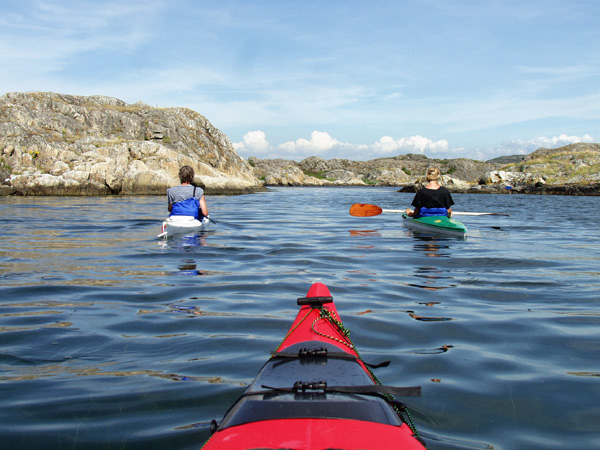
x=53, y=144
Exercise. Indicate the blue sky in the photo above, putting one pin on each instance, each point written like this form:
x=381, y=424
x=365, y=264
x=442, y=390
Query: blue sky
x=331, y=78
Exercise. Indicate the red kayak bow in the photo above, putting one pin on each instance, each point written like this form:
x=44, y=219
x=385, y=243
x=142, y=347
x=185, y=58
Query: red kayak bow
x=316, y=392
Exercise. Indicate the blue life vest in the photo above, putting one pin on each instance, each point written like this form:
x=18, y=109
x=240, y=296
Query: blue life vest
x=188, y=207
x=424, y=212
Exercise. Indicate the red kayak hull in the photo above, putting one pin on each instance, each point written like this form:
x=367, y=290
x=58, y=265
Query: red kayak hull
x=305, y=328
x=268, y=416
x=315, y=434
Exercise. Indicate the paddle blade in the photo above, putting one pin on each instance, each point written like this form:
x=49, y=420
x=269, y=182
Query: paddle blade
x=365, y=210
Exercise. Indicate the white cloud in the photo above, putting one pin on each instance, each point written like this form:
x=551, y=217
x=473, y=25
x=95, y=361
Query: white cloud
x=522, y=147
x=319, y=143
x=558, y=141
x=255, y=142
x=412, y=144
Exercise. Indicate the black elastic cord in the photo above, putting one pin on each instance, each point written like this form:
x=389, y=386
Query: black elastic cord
x=369, y=389
x=323, y=353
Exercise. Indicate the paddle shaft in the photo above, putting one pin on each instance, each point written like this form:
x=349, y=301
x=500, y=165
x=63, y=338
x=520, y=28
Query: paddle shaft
x=366, y=210
x=454, y=213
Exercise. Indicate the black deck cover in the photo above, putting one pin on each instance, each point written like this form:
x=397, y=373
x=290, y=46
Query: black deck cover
x=282, y=373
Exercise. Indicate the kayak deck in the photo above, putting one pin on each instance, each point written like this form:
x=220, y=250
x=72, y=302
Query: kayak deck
x=435, y=224
x=316, y=392
x=270, y=404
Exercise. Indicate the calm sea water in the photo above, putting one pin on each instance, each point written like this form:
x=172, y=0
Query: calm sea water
x=113, y=339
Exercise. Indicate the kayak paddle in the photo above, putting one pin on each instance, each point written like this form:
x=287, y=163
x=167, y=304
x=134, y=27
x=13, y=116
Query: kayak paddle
x=366, y=210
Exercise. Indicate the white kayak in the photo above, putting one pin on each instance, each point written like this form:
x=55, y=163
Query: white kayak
x=182, y=225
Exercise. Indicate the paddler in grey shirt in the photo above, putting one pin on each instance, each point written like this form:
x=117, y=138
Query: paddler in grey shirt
x=177, y=196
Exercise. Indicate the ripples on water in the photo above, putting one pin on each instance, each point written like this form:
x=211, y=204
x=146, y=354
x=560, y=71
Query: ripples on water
x=113, y=339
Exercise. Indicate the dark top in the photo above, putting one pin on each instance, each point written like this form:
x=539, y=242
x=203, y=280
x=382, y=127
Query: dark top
x=433, y=198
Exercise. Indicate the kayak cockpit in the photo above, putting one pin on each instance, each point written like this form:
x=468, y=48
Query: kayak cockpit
x=317, y=392
x=272, y=396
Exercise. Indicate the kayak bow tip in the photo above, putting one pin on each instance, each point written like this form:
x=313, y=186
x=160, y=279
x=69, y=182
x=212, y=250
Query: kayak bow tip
x=318, y=290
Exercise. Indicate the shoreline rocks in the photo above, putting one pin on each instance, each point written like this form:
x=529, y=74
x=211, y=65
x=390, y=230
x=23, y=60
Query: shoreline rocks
x=401, y=171
x=578, y=172
x=53, y=144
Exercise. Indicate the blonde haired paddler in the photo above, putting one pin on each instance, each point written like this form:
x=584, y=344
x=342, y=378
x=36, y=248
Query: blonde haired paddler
x=433, y=199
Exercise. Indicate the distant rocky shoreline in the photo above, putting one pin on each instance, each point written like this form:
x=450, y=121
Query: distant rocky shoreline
x=53, y=144
x=570, y=170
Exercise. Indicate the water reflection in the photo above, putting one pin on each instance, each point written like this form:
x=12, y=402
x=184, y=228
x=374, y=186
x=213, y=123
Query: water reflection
x=54, y=370
x=184, y=242
x=432, y=351
x=365, y=233
x=431, y=246
x=187, y=244
x=435, y=236
x=429, y=319
x=188, y=267
x=431, y=278
x=431, y=275
x=190, y=310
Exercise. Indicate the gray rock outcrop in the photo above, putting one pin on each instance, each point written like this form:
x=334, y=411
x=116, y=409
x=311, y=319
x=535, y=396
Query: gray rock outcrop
x=511, y=178
x=405, y=171
x=52, y=144
x=570, y=170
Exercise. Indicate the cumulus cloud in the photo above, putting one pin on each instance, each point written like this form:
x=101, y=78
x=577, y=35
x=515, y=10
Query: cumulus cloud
x=255, y=142
x=412, y=144
x=557, y=141
x=322, y=144
x=522, y=147
x=318, y=143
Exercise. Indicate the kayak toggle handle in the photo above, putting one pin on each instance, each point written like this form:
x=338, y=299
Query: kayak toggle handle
x=305, y=352
x=314, y=301
x=312, y=385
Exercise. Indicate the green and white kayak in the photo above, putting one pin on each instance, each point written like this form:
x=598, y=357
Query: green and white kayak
x=436, y=225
